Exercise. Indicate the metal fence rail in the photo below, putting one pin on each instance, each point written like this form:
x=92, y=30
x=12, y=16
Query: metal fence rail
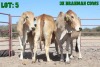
x=10, y=31
x=90, y=33
x=82, y=25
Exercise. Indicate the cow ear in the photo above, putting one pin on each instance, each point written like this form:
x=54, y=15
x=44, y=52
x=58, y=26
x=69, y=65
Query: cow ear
x=66, y=18
x=25, y=19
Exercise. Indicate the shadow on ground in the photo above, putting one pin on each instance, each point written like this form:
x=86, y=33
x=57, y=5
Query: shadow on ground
x=28, y=55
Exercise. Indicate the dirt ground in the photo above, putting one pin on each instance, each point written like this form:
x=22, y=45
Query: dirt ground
x=90, y=51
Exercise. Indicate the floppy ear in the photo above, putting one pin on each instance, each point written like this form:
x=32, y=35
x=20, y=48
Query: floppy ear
x=66, y=17
x=25, y=19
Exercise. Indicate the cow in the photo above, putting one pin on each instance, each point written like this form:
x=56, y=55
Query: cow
x=61, y=27
x=24, y=25
x=76, y=31
x=30, y=40
x=44, y=30
x=67, y=24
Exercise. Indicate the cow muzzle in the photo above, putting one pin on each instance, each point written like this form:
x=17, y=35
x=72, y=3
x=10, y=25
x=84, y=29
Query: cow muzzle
x=80, y=29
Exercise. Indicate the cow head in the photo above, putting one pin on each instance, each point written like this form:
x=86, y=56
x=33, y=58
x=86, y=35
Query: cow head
x=72, y=20
x=28, y=20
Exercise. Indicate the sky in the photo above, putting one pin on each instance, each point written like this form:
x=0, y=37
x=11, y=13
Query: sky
x=52, y=7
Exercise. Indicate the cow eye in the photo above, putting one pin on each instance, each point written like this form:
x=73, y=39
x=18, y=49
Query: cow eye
x=72, y=17
x=27, y=17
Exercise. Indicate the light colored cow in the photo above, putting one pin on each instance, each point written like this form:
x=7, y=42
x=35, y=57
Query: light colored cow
x=44, y=29
x=62, y=27
x=76, y=30
x=67, y=25
x=24, y=25
x=30, y=39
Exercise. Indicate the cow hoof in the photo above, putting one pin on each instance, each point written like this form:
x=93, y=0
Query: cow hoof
x=33, y=61
x=49, y=60
x=21, y=58
x=67, y=62
x=80, y=58
x=71, y=57
x=40, y=60
x=61, y=60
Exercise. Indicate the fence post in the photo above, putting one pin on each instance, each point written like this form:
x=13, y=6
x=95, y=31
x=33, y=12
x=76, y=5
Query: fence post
x=10, y=36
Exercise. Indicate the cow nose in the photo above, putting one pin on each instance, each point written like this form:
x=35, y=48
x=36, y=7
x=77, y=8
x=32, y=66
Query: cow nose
x=33, y=28
x=80, y=29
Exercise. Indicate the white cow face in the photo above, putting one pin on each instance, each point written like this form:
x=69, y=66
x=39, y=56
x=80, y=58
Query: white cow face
x=72, y=19
x=29, y=22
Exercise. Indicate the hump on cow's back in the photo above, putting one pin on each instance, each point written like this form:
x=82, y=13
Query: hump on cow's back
x=61, y=14
x=47, y=17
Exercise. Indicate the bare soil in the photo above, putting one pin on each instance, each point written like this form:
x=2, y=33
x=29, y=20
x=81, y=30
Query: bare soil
x=90, y=51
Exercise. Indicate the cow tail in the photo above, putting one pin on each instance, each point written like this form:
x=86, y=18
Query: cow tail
x=41, y=30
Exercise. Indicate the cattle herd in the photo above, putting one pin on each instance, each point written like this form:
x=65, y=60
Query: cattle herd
x=65, y=28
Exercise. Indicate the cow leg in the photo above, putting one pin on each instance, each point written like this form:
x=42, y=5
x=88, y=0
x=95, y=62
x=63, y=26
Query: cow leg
x=79, y=46
x=47, y=44
x=20, y=42
x=60, y=46
x=40, y=46
x=56, y=47
x=71, y=56
x=31, y=47
x=61, y=50
x=36, y=43
x=67, y=51
x=44, y=43
x=24, y=44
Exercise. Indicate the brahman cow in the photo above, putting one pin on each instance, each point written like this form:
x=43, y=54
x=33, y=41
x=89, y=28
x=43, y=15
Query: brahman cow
x=30, y=39
x=67, y=26
x=44, y=30
x=24, y=25
x=76, y=30
x=62, y=27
